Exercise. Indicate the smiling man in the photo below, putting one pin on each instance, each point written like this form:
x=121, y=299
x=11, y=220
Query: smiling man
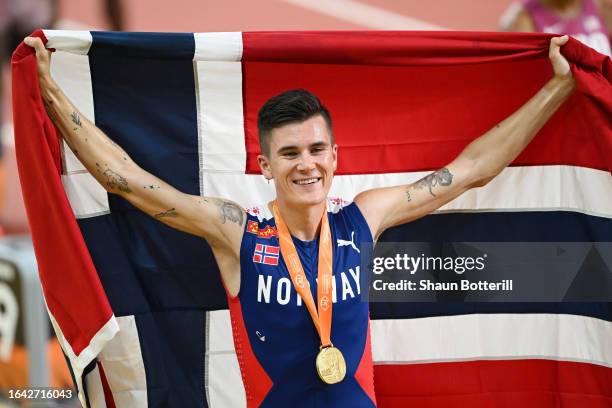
x=291, y=267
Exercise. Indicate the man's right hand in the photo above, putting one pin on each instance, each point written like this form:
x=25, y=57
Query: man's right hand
x=43, y=59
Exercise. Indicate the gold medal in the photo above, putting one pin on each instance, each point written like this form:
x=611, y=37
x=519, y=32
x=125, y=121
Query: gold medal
x=330, y=363
x=331, y=366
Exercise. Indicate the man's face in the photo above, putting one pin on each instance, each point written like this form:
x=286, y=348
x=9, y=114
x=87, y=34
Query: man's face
x=302, y=161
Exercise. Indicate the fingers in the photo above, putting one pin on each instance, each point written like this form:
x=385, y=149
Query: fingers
x=560, y=65
x=36, y=43
x=43, y=56
x=556, y=43
x=560, y=40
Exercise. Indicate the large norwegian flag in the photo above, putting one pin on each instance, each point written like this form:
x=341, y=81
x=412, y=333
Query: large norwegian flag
x=139, y=308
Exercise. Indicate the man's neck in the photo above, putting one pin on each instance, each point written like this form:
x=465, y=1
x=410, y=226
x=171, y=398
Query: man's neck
x=302, y=222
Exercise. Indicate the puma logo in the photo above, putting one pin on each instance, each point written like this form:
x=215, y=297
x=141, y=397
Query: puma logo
x=351, y=243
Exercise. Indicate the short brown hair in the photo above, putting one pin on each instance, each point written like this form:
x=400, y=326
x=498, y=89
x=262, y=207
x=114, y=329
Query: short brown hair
x=293, y=106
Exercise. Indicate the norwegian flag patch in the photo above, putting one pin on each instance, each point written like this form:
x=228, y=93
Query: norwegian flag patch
x=266, y=254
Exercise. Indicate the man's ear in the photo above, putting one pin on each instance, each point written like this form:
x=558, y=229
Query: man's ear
x=335, y=156
x=264, y=166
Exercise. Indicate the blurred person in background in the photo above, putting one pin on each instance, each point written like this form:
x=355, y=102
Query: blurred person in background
x=114, y=14
x=589, y=21
x=23, y=16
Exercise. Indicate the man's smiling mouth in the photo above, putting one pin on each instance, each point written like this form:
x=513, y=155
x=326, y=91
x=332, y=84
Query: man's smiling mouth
x=304, y=182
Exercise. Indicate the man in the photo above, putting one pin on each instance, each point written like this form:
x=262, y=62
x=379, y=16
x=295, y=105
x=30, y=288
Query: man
x=292, y=350
x=589, y=21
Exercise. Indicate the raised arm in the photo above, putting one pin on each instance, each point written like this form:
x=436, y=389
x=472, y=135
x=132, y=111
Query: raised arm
x=220, y=222
x=478, y=163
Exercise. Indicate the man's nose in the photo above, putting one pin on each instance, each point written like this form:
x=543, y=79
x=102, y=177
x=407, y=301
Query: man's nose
x=306, y=163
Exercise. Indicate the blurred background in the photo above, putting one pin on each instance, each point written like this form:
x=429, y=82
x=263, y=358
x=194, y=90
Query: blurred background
x=29, y=355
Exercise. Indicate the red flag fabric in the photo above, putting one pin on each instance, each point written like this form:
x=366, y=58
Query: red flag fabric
x=410, y=101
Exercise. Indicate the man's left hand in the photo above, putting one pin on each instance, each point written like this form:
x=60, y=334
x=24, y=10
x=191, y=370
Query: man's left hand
x=560, y=65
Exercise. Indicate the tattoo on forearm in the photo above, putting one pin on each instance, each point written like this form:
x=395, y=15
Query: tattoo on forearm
x=230, y=211
x=442, y=177
x=171, y=213
x=116, y=181
x=51, y=114
x=408, y=198
x=151, y=186
x=76, y=118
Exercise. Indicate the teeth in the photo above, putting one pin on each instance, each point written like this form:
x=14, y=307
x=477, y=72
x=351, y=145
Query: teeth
x=308, y=181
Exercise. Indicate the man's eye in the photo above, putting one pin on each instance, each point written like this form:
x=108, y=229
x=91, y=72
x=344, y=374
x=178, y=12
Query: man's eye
x=317, y=149
x=290, y=154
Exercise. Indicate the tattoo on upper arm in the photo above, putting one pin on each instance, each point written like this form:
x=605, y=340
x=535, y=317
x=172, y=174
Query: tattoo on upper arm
x=442, y=177
x=168, y=213
x=230, y=211
x=76, y=118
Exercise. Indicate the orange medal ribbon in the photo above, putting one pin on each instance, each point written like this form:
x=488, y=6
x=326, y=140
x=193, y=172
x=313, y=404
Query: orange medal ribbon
x=321, y=315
